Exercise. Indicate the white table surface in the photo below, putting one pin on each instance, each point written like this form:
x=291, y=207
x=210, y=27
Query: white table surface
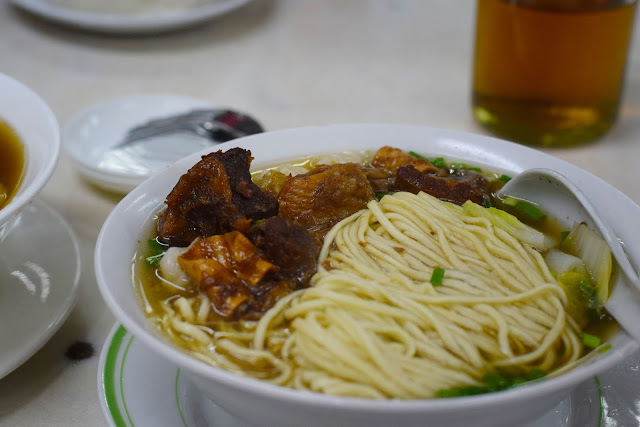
x=289, y=63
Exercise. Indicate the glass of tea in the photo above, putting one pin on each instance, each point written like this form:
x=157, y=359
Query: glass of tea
x=550, y=72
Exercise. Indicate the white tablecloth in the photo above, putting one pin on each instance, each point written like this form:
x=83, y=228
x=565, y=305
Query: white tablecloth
x=289, y=63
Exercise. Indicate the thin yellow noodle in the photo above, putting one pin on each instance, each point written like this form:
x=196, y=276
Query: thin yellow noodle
x=372, y=325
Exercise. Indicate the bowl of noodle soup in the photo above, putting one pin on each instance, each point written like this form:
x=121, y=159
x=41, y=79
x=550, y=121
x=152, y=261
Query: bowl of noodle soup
x=28, y=122
x=395, y=399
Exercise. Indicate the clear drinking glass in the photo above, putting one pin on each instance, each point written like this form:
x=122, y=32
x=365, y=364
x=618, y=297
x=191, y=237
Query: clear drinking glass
x=550, y=72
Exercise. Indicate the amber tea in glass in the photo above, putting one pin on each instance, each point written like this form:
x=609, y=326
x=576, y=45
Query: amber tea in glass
x=550, y=72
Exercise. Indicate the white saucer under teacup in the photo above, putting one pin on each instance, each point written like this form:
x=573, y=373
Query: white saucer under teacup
x=37, y=285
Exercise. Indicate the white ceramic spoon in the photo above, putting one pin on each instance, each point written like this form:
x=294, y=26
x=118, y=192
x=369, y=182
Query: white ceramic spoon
x=561, y=198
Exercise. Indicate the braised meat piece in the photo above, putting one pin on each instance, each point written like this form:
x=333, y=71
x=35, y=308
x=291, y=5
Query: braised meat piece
x=393, y=158
x=319, y=199
x=457, y=188
x=200, y=205
x=250, y=200
x=382, y=180
x=214, y=197
x=226, y=267
x=289, y=246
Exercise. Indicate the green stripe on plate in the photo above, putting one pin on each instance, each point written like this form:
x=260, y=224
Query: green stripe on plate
x=109, y=377
x=124, y=402
x=184, y=422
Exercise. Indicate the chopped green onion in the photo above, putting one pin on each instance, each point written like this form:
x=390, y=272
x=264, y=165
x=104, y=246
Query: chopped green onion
x=604, y=348
x=380, y=195
x=458, y=165
x=564, y=234
x=505, y=178
x=536, y=374
x=486, y=202
x=510, y=201
x=416, y=155
x=475, y=169
x=554, y=274
x=437, y=276
x=591, y=340
x=496, y=382
x=530, y=210
x=438, y=162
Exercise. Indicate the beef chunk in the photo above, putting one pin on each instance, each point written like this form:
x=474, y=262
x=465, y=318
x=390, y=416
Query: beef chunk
x=321, y=198
x=214, y=197
x=291, y=247
x=199, y=205
x=382, y=180
x=454, y=188
x=248, y=198
x=393, y=158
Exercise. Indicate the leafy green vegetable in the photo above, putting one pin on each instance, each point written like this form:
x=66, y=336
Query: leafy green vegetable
x=510, y=224
x=505, y=178
x=596, y=255
x=156, y=250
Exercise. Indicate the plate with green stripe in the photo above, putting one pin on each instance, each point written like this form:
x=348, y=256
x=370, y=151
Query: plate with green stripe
x=139, y=388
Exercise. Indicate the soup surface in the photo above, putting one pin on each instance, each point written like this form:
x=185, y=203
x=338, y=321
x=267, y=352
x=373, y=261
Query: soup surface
x=418, y=285
x=12, y=163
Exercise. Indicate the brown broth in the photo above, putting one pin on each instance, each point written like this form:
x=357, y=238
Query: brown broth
x=12, y=163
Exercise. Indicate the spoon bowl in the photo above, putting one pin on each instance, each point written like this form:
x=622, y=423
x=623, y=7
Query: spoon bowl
x=562, y=199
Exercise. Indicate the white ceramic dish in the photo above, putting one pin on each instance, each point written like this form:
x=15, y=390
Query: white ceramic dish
x=274, y=405
x=90, y=136
x=38, y=286
x=140, y=23
x=37, y=128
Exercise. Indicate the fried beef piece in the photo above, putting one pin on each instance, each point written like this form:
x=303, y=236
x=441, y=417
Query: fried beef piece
x=214, y=197
x=244, y=276
x=289, y=246
x=382, y=180
x=226, y=267
x=454, y=188
x=200, y=205
x=319, y=199
x=393, y=158
x=250, y=200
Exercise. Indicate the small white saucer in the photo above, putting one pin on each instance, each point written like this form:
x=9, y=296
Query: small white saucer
x=138, y=387
x=90, y=138
x=142, y=21
x=39, y=273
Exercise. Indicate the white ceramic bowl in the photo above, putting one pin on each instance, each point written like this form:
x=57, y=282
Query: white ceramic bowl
x=265, y=404
x=37, y=128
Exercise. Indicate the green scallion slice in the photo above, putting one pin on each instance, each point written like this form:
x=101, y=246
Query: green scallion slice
x=438, y=162
x=437, y=276
x=591, y=341
x=416, y=155
x=505, y=178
